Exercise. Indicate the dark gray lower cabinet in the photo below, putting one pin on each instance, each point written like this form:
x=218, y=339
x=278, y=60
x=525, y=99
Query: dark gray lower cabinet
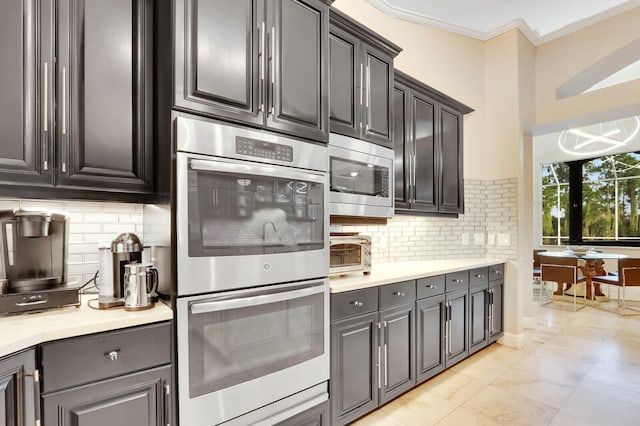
x=354, y=372
x=457, y=335
x=314, y=416
x=397, y=351
x=430, y=343
x=137, y=399
x=496, y=297
x=478, y=317
x=17, y=397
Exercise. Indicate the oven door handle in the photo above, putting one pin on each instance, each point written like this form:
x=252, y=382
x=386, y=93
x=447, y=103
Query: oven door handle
x=268, y=170
x=254, y=300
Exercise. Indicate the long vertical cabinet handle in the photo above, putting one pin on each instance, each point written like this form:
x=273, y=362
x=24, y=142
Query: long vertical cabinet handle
x=64, y=115
x=45, y=112
x=379, y=358
x=361, y=85
x=273, y=69
x=449, y=316
x=366, y=98
x=263, y=49
x=167, y=403
x=36, y=394
x=386, y=355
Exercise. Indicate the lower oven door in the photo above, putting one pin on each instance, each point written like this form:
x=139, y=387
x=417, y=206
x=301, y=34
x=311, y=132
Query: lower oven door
x=242, y=350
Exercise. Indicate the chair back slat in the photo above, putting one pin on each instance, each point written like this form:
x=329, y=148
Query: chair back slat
x=629, y=271
x=559, y=269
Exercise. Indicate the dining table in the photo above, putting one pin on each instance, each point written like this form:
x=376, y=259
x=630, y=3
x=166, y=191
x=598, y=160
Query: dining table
x=594, y=261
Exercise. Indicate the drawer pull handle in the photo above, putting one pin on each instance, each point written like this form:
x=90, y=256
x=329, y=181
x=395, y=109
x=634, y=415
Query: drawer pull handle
x=399, y=294
x=113, y=355
x=480, y=276
x=357, y=304
x=457, y=281
x=431, y=286
x=498, y=272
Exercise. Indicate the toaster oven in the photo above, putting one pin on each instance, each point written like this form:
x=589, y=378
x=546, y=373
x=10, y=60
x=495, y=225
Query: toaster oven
x=349, y=252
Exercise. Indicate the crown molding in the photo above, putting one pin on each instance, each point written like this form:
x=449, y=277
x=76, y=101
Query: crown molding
x=407, y=15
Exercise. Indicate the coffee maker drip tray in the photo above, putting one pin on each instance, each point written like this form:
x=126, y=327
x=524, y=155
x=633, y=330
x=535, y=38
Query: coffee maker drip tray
x=34, y=284
x=39, y=300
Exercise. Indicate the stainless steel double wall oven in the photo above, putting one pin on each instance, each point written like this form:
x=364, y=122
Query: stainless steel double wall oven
x=252, y=266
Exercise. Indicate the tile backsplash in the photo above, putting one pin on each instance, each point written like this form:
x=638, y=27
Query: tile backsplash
x=490, y=212
x=90, y=223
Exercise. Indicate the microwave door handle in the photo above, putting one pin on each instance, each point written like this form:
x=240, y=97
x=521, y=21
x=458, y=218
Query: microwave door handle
x=267, y=170
x=243, y=302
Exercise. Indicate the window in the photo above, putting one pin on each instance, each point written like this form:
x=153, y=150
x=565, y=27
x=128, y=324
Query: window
x=606, y=191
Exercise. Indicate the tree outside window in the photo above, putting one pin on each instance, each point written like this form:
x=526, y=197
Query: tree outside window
x=555, y=203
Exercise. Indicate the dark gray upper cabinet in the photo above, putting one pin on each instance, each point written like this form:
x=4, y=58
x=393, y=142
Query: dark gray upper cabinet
x=429, y=131
x=361, y=81
x=26, y=85
x=263, y=63
x=18, y=397
x=105, y=94
x=84, y=120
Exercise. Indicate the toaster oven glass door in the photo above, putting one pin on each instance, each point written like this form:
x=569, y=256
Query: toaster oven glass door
x=346, y=254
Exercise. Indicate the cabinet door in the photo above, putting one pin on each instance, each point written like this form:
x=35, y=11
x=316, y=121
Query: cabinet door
x=401, y=147
x=137, y=399
x=354, y=368
x=17, y=390
x=26, y=86
x=458, y=343
x=496, y=297
x=219, y=68
x=430, y=342
x=298, y=68
x=397, y=351
x=345, y=81
x=425, y=164
x=478, y=317
x=451, y=196
x=378, y=90
x=105, y=94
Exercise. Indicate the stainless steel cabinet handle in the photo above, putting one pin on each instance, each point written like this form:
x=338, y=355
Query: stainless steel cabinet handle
x=36, y=394
x=33, y=302
x=167, y=403
x=273, y=54
x=386, y=366
x=357, y=304
x=449, y=327
x=431, y=286
x=64, y=113
x=261, y=59
x=498, y=271
x=262, y=48
x=399, y=294
x=479, y=276
x=457, y=281
x=113, y=355
x=45, y=84
x=361, y=84
x=379, y=368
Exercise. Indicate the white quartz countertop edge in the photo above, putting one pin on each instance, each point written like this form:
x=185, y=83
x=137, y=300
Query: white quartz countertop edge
x=388, y=273
x=20, y=332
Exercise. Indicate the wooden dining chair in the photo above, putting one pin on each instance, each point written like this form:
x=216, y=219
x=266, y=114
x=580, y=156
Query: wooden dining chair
x=628, y=276
x=565, y=272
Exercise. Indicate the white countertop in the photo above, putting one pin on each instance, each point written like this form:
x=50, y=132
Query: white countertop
x=22, y=331
x=387, y=273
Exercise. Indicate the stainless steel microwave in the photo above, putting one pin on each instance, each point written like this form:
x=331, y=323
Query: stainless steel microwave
x=361, y=178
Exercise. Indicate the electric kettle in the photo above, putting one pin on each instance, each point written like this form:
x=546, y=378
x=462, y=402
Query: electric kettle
x=141, y=284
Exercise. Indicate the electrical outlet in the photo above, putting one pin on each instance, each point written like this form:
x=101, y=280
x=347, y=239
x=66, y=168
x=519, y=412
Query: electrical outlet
x=504, y=239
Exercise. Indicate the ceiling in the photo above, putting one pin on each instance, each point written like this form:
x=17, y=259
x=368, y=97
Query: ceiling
x=539, y=20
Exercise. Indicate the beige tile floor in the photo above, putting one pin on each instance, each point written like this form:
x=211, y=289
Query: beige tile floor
x=579, y=368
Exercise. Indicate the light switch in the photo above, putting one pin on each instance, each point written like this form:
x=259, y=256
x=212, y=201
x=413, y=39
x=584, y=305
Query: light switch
x=478, y=239
x=504, y=239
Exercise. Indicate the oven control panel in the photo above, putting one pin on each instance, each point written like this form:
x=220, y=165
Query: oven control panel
x=262, y=149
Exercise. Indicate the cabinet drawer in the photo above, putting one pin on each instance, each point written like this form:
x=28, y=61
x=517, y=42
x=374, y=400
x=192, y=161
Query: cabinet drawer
x=85, y=359
x=430, y=286
x=457, y=280
x=479, y=276
x=397, y=294
x=352, y=303
x=496, y=272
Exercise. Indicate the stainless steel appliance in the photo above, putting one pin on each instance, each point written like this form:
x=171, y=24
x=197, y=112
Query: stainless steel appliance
x=361, y=178
x=252, y=266
x=349, y=252
x=126, y=248
x=33, y=261
x=141, y=284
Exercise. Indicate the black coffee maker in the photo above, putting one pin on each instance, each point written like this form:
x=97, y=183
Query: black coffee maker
x=33, y=261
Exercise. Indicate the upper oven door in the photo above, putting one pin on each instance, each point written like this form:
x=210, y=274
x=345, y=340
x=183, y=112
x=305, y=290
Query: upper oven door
x=244, y=224
x=361, y=181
